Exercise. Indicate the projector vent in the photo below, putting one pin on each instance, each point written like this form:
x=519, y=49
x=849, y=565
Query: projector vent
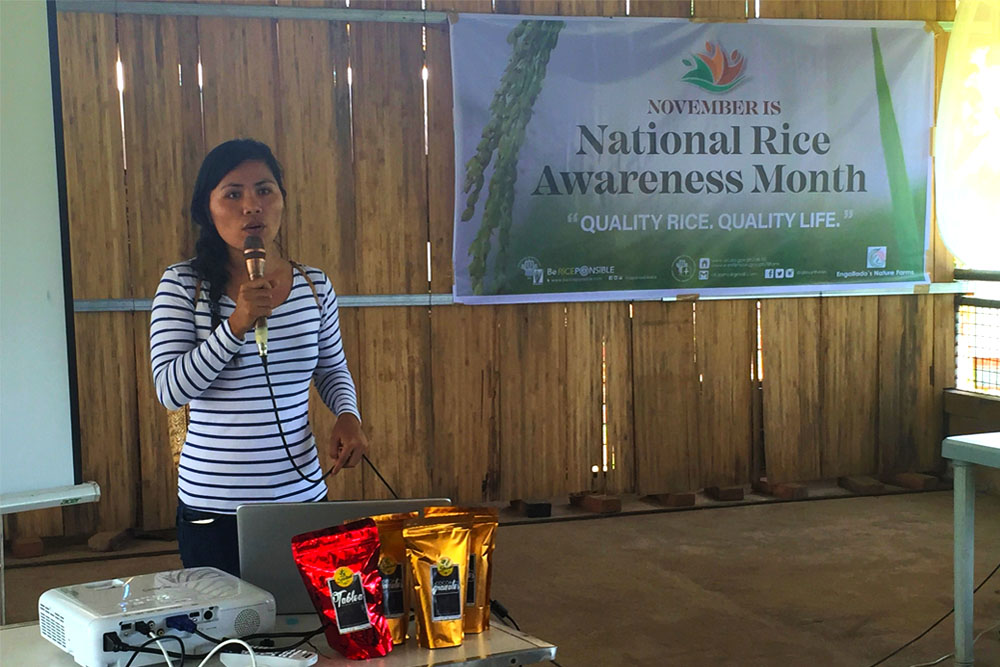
x=247, y=622
x=53, y=626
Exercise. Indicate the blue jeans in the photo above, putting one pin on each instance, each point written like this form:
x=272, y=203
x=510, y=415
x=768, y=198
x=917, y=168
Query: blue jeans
x=207, y=539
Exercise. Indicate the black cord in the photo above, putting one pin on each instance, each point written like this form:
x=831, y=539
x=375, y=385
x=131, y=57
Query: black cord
x=139, y=650
x=303, y=637
x=281, y=431
x=501, y=612
x=308, y=634
x=208, y=637
x=120, y=646
x=935, y=623
x=375, y=470
x=505, y=616
x=288, y=450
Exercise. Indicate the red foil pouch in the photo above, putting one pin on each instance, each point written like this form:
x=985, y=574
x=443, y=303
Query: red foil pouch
x=339, y=567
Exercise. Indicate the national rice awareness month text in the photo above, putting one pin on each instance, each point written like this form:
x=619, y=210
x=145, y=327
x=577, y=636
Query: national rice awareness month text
x=596, y=223
x=762, y=140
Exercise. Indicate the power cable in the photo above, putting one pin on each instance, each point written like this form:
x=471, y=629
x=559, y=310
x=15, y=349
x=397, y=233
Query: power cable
x=935, y=623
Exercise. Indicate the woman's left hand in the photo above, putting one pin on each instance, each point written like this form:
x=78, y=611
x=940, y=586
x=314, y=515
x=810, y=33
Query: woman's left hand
x=348, y=442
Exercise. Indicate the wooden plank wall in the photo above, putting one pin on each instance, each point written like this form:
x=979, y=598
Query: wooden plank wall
x=476, y=403
x=862, y=390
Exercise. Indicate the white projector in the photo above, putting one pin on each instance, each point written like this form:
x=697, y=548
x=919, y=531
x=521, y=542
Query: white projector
x=83, y=619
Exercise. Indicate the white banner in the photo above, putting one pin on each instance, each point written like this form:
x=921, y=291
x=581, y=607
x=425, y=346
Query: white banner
x=603, y=159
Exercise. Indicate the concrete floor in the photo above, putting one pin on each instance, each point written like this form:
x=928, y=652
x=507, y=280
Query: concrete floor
x=818, y=583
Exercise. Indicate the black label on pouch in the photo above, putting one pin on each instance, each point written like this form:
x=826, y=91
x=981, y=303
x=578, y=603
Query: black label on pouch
x=349, y=605
x=446, y=594
x=470, y=583
x=392, y=593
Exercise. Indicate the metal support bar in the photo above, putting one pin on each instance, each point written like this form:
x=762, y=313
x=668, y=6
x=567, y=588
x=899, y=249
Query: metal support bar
x=976, y=302
x=247, y=11
x=376, y=300
x=806, y=293
x=349, y=301
x=111, y=305
x=973, y=274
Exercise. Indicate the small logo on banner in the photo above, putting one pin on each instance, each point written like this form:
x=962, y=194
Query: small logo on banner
x=876, y=257
x=529, y=265
x=532, y=270
x=715, y=70
x=682, y=268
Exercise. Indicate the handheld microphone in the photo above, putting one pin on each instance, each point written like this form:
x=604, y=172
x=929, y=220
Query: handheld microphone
x=253, y=255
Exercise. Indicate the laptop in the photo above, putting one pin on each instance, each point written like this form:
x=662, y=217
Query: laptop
x=265, y=532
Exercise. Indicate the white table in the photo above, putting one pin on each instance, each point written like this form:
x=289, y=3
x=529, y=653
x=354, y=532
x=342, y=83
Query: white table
x=22, y=646
x=965, y=451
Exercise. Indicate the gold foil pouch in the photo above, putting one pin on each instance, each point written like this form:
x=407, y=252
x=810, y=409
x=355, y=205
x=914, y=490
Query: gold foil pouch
x=438, y=553
x=479, y=575
x=397, y=589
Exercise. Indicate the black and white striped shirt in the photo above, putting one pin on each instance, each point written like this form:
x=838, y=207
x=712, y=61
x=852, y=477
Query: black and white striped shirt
x=233, y=452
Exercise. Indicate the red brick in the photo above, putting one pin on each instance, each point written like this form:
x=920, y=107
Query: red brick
x=108, y=540
x=790, y=491
x=725, y=492
x=865, y=486
x=914, y=480
x=601, y=504
x=26, y=547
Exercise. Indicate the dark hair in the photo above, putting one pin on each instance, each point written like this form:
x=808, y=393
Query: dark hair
x=211, y=261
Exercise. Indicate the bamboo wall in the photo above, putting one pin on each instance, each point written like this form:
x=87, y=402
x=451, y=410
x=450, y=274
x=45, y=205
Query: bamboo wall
x=476, y=403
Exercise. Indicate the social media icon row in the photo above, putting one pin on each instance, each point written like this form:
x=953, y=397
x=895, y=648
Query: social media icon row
x=778, y=274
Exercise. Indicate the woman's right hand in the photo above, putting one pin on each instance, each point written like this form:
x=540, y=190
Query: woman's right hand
x=253, y=302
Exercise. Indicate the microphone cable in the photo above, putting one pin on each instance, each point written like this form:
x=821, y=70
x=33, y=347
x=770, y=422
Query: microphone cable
x=288, y=450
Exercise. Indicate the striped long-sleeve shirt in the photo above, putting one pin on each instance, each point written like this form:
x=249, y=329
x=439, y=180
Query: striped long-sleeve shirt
x=233, y=452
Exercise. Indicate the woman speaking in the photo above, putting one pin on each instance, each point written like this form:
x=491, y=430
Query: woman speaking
x=248, y=438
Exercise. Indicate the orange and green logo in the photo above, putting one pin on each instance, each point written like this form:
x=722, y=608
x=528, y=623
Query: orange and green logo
x=714, y=70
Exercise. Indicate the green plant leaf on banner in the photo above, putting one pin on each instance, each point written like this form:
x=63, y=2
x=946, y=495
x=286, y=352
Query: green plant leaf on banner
x=904, y=215
x=510, y=111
